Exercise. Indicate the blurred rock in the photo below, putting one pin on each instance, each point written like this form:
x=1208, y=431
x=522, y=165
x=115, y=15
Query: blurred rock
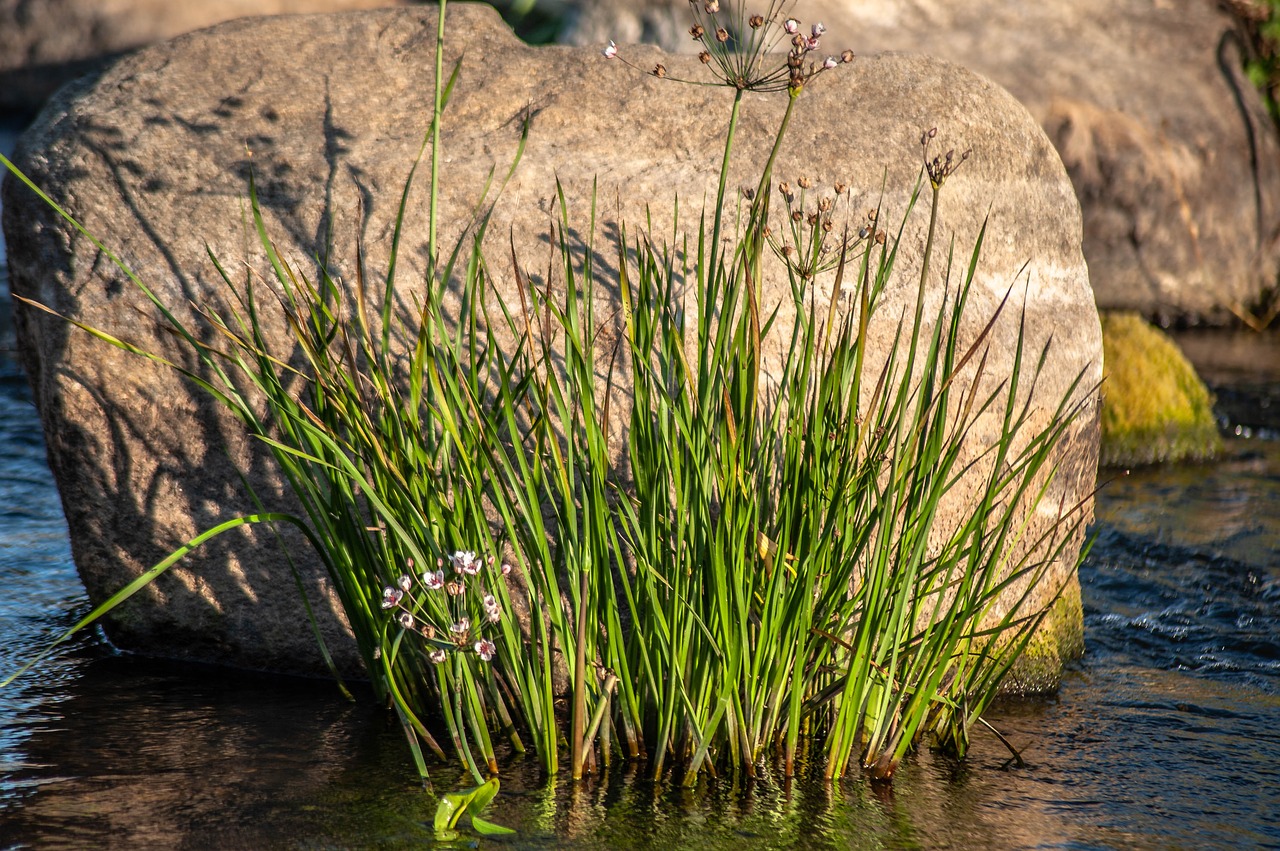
x=1172, y=154
x=153, y=157
x=1155, y=408
x=45, y=43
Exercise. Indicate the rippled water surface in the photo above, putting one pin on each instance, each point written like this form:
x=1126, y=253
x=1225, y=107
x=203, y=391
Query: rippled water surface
x=1167, y=733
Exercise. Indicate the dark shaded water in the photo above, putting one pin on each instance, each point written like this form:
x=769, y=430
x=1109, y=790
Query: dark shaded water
x=1167, y=733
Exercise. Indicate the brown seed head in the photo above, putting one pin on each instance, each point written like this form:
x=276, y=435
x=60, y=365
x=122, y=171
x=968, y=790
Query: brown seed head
x=756, y=21
x=659, y=70
x=722, y=35
x=805, y=183
x=697, y=32
x=705, y=57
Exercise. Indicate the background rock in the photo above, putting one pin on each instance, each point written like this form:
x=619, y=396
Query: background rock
x=1174, y=159
x=1156, y=408
x=153, y=157
x=45, y=43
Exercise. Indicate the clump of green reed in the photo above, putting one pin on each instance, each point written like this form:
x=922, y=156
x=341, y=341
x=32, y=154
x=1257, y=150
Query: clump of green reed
x=764, y=569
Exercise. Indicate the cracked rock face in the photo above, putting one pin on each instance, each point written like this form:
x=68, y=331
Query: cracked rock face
x=1173, y=157
x=153, y=156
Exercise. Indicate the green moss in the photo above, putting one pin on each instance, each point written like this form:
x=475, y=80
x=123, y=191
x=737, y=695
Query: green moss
x=1059, y=639
x=1154, y=406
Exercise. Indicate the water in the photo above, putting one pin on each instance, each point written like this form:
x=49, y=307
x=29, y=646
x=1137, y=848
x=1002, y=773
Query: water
x=1166, y=735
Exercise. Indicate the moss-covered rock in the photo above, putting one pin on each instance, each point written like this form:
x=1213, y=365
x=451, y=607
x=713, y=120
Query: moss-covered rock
x=1059, y=640
x=1154, y=406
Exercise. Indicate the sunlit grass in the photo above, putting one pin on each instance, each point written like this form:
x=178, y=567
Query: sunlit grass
x=761, y=567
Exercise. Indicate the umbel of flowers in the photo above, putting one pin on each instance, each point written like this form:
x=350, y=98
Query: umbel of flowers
x=448, y=608
x=743, y=49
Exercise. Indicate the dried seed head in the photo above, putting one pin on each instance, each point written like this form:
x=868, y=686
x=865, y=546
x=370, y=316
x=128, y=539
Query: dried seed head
x=797, y=216
x=659, y=70
x=826, y=226
x=804, y=182
x=722, y=35
x=756, y=21
x=847, y=56
x=697, y=32
x=840, y=188
x=705, y=57
x=812, y=219
x=824, y=204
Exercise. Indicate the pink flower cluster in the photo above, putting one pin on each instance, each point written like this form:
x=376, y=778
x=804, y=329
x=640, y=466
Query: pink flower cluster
x=443, y=612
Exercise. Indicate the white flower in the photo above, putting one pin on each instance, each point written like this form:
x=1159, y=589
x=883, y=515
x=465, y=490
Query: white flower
x=792, y=26
x=492, y=610
x=466, y=562
x=406, y=620
x=461, y=627
x=405, y=583
x=506, y=569
x=486, y=649
x=817, y=30
x=611, y=51
x=433, y=579
x=437, y=656
x=830, y=63
x=391, y=597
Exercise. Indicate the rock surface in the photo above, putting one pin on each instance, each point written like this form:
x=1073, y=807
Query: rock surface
x=153, y=158
x=45, y=43
x=1173, y=157
x=1155, y=408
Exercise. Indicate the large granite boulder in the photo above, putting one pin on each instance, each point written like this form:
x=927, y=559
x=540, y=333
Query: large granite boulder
x=45, y=43
x=153, y=157
x=1174, y=159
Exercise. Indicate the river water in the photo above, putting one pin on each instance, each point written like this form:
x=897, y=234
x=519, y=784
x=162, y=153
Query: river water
x=1165, y=735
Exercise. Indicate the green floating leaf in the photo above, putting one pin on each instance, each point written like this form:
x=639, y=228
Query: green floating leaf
x=488, y=828
x=453, y=805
